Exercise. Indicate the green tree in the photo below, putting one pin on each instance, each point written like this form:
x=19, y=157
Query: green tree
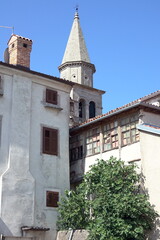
x=108, y=203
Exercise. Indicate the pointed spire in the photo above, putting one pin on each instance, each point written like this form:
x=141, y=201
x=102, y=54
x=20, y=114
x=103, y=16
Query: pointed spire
x=76, y=48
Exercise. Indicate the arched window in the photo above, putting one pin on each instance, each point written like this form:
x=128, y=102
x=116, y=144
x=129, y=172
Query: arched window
x=82, y=109
x=92, y=112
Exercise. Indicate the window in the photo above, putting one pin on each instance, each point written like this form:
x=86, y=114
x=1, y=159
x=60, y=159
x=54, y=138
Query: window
x=76, y=148
x=52, y=199
x=129, y=131
x=82, y=109
x=24, y=45
x=50, y=141
x=51, y=96
x=1, y=86
x=93, y=141
x=110, y=136
x=91, y=109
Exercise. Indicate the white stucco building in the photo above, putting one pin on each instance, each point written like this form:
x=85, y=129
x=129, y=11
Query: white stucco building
x=34, y=155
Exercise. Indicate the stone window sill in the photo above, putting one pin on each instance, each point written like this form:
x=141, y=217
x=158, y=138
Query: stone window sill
x=50, y=105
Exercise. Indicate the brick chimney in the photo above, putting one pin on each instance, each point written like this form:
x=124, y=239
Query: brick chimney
x=19, y=49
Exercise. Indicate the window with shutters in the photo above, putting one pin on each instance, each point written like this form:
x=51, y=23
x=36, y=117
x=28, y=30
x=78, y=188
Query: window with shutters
x=50, y=141
x=52, y=199
x=1, y=86
x=51, y=96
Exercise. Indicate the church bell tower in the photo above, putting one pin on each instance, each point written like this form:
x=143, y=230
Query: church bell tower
x=76, y=65
x=85, y=101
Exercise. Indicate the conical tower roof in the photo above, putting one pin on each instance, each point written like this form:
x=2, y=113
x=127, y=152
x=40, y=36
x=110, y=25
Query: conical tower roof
x=76, y=48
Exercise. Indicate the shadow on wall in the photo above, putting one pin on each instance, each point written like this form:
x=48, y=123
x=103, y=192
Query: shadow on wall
x=155, y=233
x=4, y=230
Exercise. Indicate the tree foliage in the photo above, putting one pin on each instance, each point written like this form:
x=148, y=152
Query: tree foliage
x=108, y=203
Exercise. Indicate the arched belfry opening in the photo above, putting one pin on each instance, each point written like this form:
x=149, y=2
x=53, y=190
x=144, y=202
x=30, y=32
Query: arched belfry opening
x=82, y=109
x=92, y=109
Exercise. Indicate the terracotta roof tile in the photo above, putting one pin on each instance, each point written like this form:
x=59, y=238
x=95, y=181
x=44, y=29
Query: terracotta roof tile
x=21, y=37
x=137, y=101
x=27, y=228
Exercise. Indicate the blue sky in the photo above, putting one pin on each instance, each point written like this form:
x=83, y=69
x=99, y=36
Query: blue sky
x=122, y=37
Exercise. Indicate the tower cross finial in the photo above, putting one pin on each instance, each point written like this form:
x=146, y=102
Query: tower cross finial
x=77, y=8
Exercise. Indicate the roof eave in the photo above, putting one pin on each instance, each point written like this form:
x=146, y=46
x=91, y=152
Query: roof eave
x=141, y=104
x=23, y=69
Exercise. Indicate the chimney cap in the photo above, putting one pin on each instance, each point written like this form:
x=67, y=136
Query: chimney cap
x=17, y=36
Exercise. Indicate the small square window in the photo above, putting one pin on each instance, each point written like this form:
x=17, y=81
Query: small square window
x=24, y=45
x=51, y=96
x=52, y=199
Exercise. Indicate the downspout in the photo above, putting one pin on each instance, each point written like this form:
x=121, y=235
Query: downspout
x=71, y=234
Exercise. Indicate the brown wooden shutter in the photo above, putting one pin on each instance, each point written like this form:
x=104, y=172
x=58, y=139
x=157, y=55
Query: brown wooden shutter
x=52, y=199
x=51, y=96
x=54, y=142
x=0, y=82
x=50, y=141
x=46, y=137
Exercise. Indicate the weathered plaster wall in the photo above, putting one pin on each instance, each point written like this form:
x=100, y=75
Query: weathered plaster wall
x=17, y=181
x=150, y=150
x=25, y=172
x=51, y=172
x=75, y=235
x=152, y=118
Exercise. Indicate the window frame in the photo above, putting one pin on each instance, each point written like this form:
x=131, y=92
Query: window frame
x=1, y=85
x=82, y=109
x=110, y=132
x=93, y=140
x=92, y=109
x=127, y=129
x=51, y=96
x=55, y=204
x=52, y=140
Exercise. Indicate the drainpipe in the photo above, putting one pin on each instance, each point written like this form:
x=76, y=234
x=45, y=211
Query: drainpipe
x=71, y=234
x=2, y=237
